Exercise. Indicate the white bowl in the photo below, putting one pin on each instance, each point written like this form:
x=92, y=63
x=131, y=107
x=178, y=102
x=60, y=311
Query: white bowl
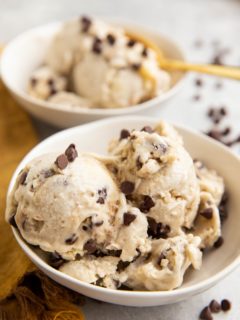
x=94, y=137
x=26, y=52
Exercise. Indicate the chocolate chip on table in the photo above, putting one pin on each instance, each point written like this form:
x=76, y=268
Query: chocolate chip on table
x=61, y=161
x=215, y=134
x=136, y=66
x=72, y=239
x=55, y=260
x=122, y=265
x=102, y=195
x=86, y=23
x=127, y=187
x=199, y=82
x=131, y=43
x=146, y=204
x=97, y=46
x=214, y=306
x=128, y=218
x=223, y=111
x=124, y=134
x=145, y=52
x=12, y=221
x=225, y=305
x=23, y=177
x=111, y=39
x=210, y=112
x=33, y=82
x=207, y=213
x=90, y=246
x=218, y=243
x=196, y=97
x=71, y=152
x=147, y=129
x=206, y=314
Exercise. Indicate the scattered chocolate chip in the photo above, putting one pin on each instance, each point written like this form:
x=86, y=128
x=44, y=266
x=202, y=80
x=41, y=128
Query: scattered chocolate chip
x=147, y=204
x=128, y=218
x=226, y=131
x=72, y=239
x=152, y=226
x=23, y=177
x=210, y=112
x=48, y=173
x=131, y=43
x=71, y=152
x=85, y=228
x=163, y=230
x=86, y=23
x=12, y=221
x=145, y=52
x=52, y=91
x=218, y=243
x=199, y=82
x=102, y=195
x=127, y=187
x=207, y=213
x=99, y=254
x=215, y=134
x=157, y=230
x=214, y=306
x=206, y=314
x=138, y=163
x=196, y=97
x=50, y=82
x=217, y=60
x=97, y=46
x=99, y=282
x=136, y=66
x=223, y=111
x=90, y=246
x=225, y=305
x=61, y=161
x=55, y=260
x=122, y=265
x=78, y=257
x=124, y=134
x=33, y=82
x=114, y=253
x=161, y=257
x=111, y=39
x=147, y=129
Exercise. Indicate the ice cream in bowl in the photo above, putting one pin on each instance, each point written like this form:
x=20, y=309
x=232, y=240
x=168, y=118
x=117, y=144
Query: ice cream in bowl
x=88, y=68
x=129, y=210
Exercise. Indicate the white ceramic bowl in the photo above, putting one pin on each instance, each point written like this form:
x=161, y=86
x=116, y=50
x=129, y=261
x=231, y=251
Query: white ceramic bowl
x=26, y=52
x=94, y=137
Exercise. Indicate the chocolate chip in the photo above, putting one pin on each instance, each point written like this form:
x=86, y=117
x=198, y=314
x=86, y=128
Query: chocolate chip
x=86, y=23
x=138, y=163
x=78, y=257
x=199, y=82
x=114, y=253
x=145, y=52
x=61, y=161
x=97, y=46
x=122, y=265
x=48, y=173
x=50, y=82
x=124, y=287
x=72, y=239
x=207, y=213
x=136, y=66
x=147, y=129
x=90, y=246
x=225, y=198
x=147, y=204
x=217, y=60
x=161, y=257
x=152, y=226
x=12, y=221
x=55, y=260
x=111, y=39
x=102, y=195
x=226, y=305
x=215, y=134
x=218, y=243
x=33, y=82
x=71, y=152
x=124, y=134
x=210, y=112
x=157, y=230
x=206, y=314
x=128, y=218
x=85, y=228
x=127, y=187
x=218, y=85
x=214, y=306
x=196, y=97
x=223, y=111
x=99, y=282
x=226, y=131
x=23, y=177
x=163, y=230
x=131, y=43
x=52, y=91
x=98, y=224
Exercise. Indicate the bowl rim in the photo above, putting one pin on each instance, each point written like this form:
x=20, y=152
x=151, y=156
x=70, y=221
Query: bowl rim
x=84, y=110
x=166, y=294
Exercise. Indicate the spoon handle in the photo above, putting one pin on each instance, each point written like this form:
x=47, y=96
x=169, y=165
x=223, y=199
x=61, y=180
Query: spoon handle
x=221, y=71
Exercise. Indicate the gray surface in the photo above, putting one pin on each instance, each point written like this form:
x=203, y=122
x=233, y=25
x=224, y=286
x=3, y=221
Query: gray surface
x=185, y=21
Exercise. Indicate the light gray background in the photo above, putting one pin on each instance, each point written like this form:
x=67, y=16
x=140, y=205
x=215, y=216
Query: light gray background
x=185, y=21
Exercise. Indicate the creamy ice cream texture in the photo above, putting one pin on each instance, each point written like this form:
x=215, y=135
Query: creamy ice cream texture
x=101, y=64
x=137, y=219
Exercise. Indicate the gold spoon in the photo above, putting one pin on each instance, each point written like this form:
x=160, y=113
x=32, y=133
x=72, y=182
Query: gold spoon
x=178, y=65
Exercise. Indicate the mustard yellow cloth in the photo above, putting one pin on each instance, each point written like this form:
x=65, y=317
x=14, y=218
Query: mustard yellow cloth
x=25, y=293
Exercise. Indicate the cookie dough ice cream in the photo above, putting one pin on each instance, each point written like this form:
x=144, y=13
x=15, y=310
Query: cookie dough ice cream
x=102, y=64
x=137, y=219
